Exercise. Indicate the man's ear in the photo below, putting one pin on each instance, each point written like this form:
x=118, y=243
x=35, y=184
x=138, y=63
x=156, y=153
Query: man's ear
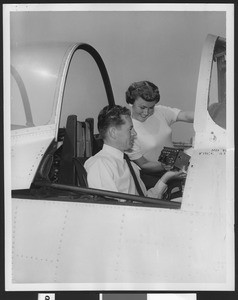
x=112, y=132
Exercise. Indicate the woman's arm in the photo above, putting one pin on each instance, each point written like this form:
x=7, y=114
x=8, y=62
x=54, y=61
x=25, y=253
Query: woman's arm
x=152, y=166
x=186, y=116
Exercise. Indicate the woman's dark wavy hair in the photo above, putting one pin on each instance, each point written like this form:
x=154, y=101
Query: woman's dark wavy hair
x=111, y=116
x=144, y=89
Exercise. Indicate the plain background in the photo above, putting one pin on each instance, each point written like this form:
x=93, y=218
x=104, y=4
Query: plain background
x=161, y=46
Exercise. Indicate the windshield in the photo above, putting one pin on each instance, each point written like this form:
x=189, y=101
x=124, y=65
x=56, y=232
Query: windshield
x=38, y=74
x=35, y=72
x=84, y=93
x=217, y=94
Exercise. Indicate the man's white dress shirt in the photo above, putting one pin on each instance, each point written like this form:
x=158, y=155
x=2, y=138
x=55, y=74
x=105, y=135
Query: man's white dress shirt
x=108, y=170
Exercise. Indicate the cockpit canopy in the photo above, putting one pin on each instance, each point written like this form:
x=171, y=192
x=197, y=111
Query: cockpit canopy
x=217, y=92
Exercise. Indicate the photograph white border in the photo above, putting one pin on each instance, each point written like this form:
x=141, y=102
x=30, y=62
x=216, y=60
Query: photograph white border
x=7, y=9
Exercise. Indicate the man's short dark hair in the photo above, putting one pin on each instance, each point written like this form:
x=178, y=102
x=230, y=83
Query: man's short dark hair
x=144, y=89
x=111, y=116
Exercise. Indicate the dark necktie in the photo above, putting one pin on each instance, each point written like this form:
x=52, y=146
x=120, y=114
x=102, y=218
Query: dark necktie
x=139, y=190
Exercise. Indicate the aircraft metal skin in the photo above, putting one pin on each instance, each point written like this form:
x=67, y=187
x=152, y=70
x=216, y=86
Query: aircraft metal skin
x=105, y=246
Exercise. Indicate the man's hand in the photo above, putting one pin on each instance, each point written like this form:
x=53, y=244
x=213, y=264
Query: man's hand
x=167, y=167
x=173, y=175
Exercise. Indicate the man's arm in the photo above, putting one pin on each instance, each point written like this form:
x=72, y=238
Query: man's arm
x=161, y=186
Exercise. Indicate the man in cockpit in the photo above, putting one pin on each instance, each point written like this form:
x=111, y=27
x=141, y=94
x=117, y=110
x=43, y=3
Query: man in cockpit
x=110, y=169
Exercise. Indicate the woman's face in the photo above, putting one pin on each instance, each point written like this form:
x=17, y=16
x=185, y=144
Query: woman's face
x=142, y=110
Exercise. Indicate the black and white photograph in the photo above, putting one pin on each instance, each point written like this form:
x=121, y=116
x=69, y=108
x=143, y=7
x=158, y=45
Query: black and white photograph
x=119, y=147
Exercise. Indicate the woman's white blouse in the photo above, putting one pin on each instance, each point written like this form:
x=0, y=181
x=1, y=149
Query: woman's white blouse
x=108, y=170
x=154, y=133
